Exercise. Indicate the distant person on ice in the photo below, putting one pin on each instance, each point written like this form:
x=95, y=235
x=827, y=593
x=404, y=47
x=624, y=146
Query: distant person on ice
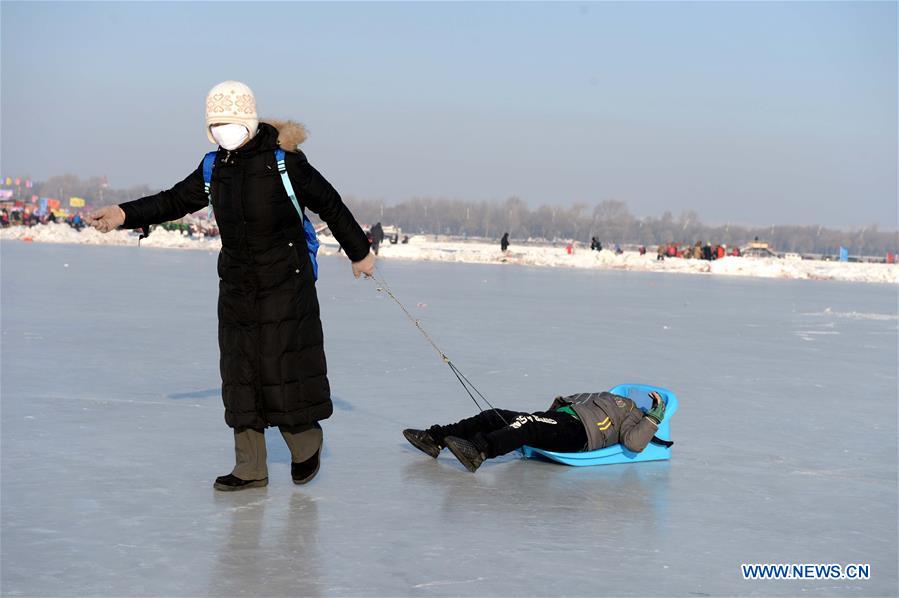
x=581, y=422
x=270, y=334
x=377, y=237
x=504, y=242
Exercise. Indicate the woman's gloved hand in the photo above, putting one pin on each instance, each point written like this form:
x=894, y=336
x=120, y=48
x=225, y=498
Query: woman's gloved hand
x=365, y=266
x=106, y=219
x=657, y=413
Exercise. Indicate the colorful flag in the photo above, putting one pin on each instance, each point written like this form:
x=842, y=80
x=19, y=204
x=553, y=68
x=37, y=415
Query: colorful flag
x=53, y=204
x=8, y=182
x=28, y=183
x=18, y=181
x=76, y=202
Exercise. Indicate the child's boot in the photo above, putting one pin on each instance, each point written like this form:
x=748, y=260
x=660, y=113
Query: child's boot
x=466, y=452
x=423, y=441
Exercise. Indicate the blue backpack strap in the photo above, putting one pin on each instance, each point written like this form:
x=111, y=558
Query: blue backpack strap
x=312, y=243
x=285, y=179
x=208, y=163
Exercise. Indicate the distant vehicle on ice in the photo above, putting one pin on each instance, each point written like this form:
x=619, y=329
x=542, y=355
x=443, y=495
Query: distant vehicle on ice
x=758, y=249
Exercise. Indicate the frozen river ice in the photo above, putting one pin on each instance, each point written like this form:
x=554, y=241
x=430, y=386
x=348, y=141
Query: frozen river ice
x=112, y=432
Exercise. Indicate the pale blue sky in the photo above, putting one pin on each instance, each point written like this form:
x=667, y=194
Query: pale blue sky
x=746, y=112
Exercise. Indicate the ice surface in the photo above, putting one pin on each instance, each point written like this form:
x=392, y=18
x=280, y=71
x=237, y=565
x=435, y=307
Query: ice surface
x=112, y=432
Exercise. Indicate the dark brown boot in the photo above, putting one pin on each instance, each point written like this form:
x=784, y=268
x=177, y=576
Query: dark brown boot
x=230, y=483
x=305, y=471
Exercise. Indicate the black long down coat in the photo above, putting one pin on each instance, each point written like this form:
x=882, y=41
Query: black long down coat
x=270, y=334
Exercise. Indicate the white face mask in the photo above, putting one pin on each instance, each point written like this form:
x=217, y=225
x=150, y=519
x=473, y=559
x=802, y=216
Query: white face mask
x=230, y=136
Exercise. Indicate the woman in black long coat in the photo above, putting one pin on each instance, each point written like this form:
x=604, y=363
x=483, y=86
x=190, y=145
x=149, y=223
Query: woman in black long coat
x=270, y=335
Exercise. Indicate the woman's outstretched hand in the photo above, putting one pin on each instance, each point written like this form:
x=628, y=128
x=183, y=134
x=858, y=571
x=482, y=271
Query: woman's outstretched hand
x=107, y=219
x=365, y=266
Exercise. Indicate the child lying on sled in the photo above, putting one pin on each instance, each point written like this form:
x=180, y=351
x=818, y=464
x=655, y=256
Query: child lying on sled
x=581, y=422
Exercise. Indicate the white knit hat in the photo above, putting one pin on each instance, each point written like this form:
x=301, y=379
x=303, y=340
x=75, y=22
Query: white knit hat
x=231, y=102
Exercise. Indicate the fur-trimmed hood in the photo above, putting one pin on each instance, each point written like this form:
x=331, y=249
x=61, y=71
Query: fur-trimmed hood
x=291, y=134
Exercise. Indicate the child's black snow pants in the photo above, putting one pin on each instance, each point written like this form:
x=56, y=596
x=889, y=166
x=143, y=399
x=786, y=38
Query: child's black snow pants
x=499, y=431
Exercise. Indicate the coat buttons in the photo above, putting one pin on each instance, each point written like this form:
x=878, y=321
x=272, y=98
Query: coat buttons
x=297, y=271
x=290, y=244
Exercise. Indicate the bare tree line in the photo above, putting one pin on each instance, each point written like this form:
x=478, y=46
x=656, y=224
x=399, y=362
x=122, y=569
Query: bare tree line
x=609, y=221
x=94, y=190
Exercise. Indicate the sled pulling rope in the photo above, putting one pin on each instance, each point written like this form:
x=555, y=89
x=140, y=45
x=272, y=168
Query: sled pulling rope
x=470, y=388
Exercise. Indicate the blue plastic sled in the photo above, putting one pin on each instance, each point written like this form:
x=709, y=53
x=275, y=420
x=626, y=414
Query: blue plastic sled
x=639, y=393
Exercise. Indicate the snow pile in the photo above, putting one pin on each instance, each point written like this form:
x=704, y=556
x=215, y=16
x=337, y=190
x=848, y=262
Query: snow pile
x=759, y=267
x=424, y=248
x=483, y=253
x=63, y=233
